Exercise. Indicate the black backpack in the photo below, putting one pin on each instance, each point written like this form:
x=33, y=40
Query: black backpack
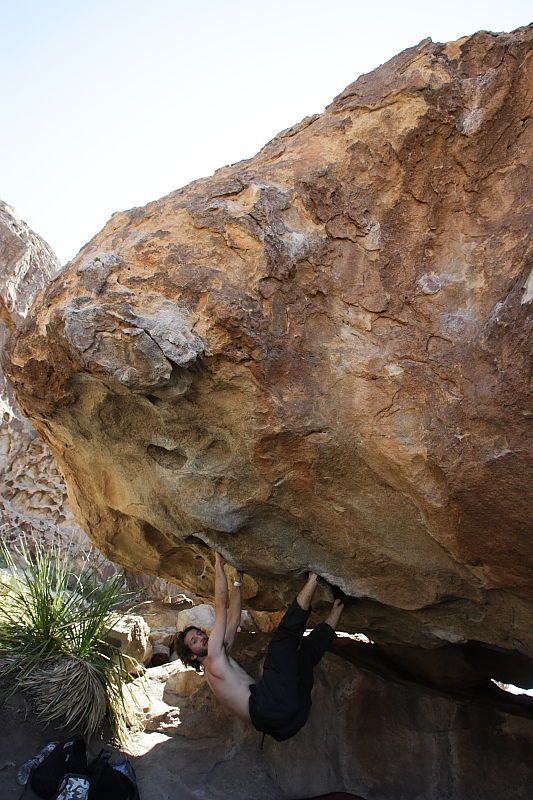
x=64, y=774
x=114, y=781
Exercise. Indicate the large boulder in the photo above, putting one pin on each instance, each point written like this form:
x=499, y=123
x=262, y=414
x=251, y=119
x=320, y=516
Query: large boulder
x=316, y=358
x=131, y=635
x=33, y=496
x=203, y=616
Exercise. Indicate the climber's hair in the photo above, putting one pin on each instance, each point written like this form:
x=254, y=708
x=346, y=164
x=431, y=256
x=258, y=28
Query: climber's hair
x=184, y=654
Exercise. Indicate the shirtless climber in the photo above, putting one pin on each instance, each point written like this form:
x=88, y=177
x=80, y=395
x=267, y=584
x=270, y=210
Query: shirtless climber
x=279, y=704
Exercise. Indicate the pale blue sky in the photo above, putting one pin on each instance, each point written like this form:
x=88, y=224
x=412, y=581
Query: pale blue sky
x=108, y=104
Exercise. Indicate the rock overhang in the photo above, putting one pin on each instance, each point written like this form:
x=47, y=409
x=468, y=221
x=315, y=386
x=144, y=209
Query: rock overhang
x=314, y=359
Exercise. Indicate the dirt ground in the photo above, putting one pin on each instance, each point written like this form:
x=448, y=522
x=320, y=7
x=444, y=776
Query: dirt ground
x=22, y=736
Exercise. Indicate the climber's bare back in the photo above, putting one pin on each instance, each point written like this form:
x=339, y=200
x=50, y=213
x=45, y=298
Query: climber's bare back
x=229, y=683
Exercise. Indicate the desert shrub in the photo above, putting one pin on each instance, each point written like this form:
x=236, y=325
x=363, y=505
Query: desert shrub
x=53, y=625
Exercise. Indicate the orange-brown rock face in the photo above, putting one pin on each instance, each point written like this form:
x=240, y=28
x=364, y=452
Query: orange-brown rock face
x=317, y=359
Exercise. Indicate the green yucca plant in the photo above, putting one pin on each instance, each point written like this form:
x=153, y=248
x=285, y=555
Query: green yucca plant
x=53, y=623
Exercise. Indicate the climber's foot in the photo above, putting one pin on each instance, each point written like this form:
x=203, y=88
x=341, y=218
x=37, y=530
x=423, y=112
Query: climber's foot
x=306, y=594
x=334, y=615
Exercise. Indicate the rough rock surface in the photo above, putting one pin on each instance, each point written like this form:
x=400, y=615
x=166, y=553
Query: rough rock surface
x=131, y=635
x=33, y=496
x=202, y=615
x=375, y=736
x=318, y=358
x=28, y=266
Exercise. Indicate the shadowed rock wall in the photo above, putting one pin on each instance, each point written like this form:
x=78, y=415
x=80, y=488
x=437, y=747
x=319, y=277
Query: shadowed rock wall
x=317, y=358
x=375, y=736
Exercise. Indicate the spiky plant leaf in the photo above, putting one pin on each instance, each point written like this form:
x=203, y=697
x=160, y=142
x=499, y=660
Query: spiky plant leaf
x=53, y=622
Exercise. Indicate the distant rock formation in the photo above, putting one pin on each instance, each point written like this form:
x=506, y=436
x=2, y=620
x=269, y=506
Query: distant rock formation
x=28, y=266
x=33, y=493
x=317, y=358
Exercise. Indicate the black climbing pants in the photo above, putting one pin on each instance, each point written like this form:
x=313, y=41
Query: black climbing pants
x=280, y=702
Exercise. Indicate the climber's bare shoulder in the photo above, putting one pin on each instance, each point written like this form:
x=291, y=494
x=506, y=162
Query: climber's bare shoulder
x=229, y=683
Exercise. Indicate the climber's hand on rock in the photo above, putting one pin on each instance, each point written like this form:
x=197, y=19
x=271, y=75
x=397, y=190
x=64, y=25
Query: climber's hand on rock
x=219, y=560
